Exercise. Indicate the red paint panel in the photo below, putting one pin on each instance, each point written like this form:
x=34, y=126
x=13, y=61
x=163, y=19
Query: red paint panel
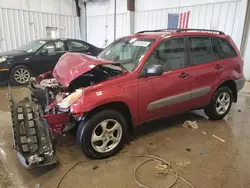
x=57, y=121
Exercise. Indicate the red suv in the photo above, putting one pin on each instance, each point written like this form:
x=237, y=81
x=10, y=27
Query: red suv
x=136, y=79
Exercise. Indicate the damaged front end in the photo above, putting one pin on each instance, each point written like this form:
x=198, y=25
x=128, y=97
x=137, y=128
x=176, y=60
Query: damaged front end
x=36, y=123
x=45, y=114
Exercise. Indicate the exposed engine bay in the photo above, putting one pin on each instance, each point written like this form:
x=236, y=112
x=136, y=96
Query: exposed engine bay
x=39, y=118
x=46, y=90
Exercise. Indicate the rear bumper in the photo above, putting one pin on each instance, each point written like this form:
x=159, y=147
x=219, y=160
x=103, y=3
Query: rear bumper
x=32, y=137
x=240, y=83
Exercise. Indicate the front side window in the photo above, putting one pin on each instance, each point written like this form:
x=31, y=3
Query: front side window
x=76, y=46
x=32, y=46
x=54, y=47
x=128, y=51
x=200, y=50
x=170, y=54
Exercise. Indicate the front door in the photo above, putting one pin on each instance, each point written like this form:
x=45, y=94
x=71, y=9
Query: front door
x=169, y=93
x=46, y=59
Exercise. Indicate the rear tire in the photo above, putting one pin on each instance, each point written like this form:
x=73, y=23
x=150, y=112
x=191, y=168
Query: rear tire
x=220, y=104
x=20, y=74
x=103, y=134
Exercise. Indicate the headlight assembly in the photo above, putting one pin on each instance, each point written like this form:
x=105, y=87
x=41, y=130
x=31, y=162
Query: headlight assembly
x=2, y=59
x=69, y=100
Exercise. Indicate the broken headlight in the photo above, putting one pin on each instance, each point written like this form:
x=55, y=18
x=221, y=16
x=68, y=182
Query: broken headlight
x=70, y=99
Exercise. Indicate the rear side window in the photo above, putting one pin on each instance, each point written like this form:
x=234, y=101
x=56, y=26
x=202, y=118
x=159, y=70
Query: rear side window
x=200, y=49
x=76, y=46
x=223, y=48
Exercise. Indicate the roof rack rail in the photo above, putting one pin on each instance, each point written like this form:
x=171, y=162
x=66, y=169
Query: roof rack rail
x=181, y=30
x=202, y=30
x=156, y=30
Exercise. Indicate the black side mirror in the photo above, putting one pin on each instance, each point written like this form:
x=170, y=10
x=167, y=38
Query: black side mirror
x=43, y=52
x=154, y=70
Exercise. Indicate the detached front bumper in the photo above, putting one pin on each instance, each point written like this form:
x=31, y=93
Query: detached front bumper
x=32, y=137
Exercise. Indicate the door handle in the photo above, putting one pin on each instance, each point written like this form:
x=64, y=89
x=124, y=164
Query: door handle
x=183, y=75
x=218, y=66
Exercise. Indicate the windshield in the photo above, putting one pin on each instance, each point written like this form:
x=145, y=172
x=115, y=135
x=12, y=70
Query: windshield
x=32, y=46
x=128, y=51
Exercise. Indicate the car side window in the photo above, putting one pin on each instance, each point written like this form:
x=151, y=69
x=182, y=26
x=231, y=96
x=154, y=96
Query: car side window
x=77, y=46
x=170, y=54
x=200, y=49
x=227, y=50
x=216, y=48
x=54, y=47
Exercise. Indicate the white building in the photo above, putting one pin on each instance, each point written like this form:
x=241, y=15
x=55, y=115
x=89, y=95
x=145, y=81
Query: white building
x=25, y=20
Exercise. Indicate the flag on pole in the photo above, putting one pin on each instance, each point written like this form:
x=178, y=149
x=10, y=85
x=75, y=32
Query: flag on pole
x=178, y=20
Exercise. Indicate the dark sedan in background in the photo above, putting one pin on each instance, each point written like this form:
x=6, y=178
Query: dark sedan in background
x=39, y=56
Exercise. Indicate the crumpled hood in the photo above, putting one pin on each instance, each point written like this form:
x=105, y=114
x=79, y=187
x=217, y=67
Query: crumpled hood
x=71, y=65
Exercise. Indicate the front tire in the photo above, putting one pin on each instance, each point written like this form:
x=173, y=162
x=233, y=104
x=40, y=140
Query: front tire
x=19, y=75
x=220, y=104
x=103, y=134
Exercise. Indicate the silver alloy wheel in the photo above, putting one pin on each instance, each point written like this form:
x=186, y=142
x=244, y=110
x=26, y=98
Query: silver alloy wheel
x=106, y=135
x=21, y=75
x=223, y=103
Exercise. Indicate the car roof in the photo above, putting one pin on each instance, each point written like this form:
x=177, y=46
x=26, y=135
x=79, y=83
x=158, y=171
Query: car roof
x=157, y=34
x=46, y=39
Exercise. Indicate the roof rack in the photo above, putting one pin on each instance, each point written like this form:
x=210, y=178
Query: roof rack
x=201, y=30
x=156, y=30
x=182, y=30
x=147, y=31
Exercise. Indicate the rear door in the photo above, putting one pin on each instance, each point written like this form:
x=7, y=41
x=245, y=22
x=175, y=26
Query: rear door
x=169, y=93
x=208, y=64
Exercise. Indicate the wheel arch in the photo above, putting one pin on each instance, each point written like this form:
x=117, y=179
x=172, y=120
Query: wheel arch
x=121, y=107
x=20, y=64
x=231, y=84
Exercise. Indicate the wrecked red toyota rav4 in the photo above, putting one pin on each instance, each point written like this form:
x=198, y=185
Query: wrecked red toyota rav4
x=137, y=78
